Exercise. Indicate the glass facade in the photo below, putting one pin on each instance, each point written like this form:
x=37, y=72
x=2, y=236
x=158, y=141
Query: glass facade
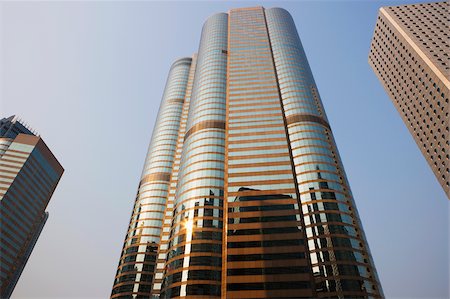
x=29, y=174
x=255, y=203
x=163, y=248
x=193, y=264
x=137, y=263
x=265, y=236
x=340, y=257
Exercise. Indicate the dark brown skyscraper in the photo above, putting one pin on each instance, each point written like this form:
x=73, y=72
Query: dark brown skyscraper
x=243, y=193
x=410, y=55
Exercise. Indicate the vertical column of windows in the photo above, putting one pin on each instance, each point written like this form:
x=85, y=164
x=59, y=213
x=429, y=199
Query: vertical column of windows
x=340, y=257
x=194, y=259
x=168, y=215
x=265, y=248
x=137, y=263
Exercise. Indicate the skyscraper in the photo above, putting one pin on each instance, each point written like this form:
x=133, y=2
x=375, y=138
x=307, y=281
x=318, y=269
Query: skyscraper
x=243, y=194
x=29, y=174
x=410, y=56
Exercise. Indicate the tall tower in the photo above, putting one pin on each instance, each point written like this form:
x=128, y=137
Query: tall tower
x=29, y=174
x=410, y=56
x=257, y=204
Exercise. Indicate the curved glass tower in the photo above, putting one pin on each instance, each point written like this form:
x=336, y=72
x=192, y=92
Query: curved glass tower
x=244, y=192
x=193, y=264
x=138, y=260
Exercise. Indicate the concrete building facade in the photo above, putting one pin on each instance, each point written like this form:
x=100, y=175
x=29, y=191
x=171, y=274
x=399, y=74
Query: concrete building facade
x=409, y=54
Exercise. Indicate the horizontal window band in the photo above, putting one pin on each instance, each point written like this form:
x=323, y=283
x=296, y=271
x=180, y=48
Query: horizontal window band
x=179, y=100
x=280, y=249
x=117, y=285
x=266, y=256
x=260, y=173
x=269, y=287
x=336, y=223
x=265, y=278
x=255, y=141
x=266, y=264
x=262, y=192
x=205, y=125
x=237, y=159
x=199, y=241
x=345, y=194
x=185, y=201
x=157, y=176
x=268, y=181
x=178, y=270
x=337, y=212
x=358, y=278
x=196, y=254
x=134, y=254
x=281, y=293
x=306, y=117
x=200, y=207
x=264, y=164
x=202, y=283
x=136, y=263
x=215, y=234
x=234, y=240
x=255, y=133
x=350, y=250
x=237, y=213
x=265, y=244
x=134, y=272
x=152, y=228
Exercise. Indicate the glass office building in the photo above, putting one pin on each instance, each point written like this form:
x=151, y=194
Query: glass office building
x=243, y=193
x=29, y=174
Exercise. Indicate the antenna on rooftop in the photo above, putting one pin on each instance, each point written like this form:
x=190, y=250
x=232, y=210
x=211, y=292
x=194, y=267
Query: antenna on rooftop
x=25, y=124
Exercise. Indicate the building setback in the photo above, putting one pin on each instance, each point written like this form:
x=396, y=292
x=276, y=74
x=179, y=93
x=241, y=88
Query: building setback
x=410, y=55
x=243, y=193
x=29, y=174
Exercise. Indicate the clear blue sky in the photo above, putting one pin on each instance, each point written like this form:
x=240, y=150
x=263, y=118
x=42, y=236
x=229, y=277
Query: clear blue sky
x=89, y=77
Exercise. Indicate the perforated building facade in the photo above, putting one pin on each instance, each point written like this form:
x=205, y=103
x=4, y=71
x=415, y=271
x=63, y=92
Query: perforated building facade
x=410, y=55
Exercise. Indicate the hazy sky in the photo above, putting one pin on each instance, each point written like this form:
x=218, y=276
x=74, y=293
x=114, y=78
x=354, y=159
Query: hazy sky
x=89, y=76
